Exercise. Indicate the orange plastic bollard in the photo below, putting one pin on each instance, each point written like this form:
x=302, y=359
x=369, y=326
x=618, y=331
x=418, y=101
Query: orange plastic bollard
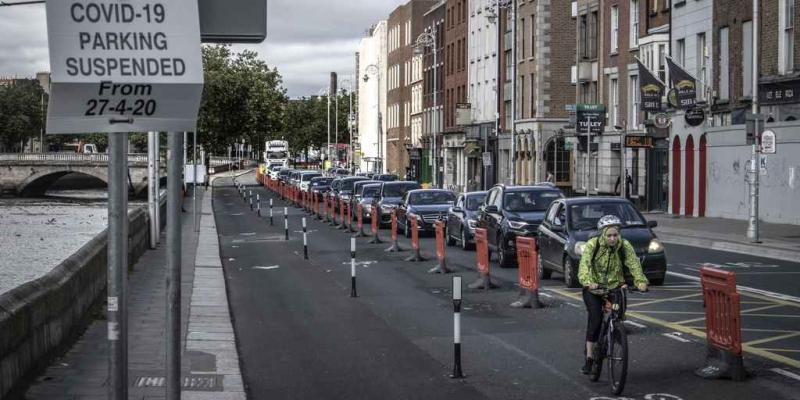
x=723, y=326
x=441, y=266
x=528, y=273
x=416, y=256
x=482, y=259
x=376, y=239
x=395, y=247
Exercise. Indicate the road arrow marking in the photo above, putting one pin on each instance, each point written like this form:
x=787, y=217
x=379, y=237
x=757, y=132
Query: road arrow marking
x=676, y=336
x=267, y=268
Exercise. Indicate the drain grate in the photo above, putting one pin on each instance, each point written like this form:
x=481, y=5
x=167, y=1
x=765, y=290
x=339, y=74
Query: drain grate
x=210, y=383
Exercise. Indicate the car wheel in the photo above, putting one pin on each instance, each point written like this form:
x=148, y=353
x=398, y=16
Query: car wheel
x=448, y=239
x=543, y=272
x=464, y=243
x=502, y=258
x=570, y=273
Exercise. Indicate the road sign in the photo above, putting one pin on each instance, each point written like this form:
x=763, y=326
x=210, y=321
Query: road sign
x=131, y=66
x=233, y=21
x=487, y=159
x=695, y=116
x=768, y=142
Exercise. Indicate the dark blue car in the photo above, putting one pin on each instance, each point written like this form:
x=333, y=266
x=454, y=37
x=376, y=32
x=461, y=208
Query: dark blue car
x=462, y=219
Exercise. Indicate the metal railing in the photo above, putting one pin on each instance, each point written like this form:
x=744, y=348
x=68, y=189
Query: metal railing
x=77, y=157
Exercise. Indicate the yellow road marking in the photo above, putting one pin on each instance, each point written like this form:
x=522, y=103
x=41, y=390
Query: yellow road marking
x=698, y=333
x=665, y=300
x=761, y=308
x=690, y=320
x=781, y=350
x=771, y=339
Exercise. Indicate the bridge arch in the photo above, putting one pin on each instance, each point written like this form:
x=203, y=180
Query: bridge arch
x=37, y=183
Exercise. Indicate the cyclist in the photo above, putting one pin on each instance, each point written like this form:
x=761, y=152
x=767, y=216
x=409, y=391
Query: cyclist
x=601, y=269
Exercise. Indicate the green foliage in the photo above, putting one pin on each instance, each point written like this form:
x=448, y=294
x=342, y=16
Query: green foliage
x=306, y=122
x=21, y=114
x=242, y=98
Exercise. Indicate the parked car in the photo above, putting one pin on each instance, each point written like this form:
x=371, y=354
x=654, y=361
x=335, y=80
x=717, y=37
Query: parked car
x=462, y=219
x=366, y=198
x=305, y=179
x=391, y=195
x=320, y=184
x=355, y=197
x=345, y=190
x=427, y=205
x=385, y=177
x=283, y=175
x=570, y=223
x=511, y=211
x=274, y=171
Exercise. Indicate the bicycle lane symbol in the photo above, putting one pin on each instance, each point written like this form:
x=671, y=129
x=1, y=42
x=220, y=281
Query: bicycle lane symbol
x=651, y=396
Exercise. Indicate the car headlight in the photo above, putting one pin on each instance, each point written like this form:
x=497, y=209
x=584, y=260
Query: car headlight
x=471, y=223
x=579, y=248
x=386, y=207
x=655, y=246
x=367, y=207
x=516, y=224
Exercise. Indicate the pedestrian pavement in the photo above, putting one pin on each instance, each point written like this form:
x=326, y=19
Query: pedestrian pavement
x=210, y=364
x=779, y=241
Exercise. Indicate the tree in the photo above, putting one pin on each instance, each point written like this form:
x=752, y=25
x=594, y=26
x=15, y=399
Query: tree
x=21, y=115
x=243, y=98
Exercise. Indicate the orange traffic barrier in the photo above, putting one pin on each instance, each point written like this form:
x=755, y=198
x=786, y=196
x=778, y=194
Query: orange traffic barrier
x=360, y=220
x=441, y=266
x=723, y=326
x=350, y=218
x=415, y=256
x=395, y=247
x=333, y=210
x=341, y=215
x=375, y=224
x=325, y=208
x=528, y=273
x=482, y=259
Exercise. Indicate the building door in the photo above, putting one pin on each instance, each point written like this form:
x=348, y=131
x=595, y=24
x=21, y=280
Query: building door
x=675, y=178
x=689, y=190
x=658, y=177
x=701, y=196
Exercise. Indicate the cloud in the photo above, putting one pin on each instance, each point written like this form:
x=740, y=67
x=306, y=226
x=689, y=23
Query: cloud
x=306, y=39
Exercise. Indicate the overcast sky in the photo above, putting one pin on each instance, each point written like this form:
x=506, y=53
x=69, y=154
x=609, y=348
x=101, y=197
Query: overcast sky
x=306, y=39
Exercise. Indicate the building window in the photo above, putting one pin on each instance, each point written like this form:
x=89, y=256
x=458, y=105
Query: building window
x=786, y=38
x=634, y=23
x=680, y=52
x=702, y=63
x=747, y=58
x=533, y=96
x=583, y=37
x=522, y=96
x=522, y=38
x=533, y=35
x=614, y=29
x=662, y=62
x=594, y=27
x=633, y=116
x=613, y=94
x=724, y=64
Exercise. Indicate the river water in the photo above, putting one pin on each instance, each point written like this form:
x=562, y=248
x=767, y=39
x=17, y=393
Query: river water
x=38, y=234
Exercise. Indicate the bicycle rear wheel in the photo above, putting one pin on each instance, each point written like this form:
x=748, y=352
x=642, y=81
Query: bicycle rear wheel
x=618, y=359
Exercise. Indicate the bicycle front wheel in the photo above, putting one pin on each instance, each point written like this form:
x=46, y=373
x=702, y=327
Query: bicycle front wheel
x=618, y=359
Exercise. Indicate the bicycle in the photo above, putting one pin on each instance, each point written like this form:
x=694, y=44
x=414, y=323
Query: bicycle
x=613, y=343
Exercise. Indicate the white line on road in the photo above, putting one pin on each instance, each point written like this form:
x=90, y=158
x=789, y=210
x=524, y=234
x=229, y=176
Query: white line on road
x=548, y=295
x=767, y=293
x=786, y=373
x=574, y=305
x=267, y=268
x=676, y=336
x=636, y=324
x=248, y=234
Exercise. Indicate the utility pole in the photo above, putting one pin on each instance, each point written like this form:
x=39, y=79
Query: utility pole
x=117, y=266
x=173, y=325
x=752, y=223
x=513, y=11
x=435, y=111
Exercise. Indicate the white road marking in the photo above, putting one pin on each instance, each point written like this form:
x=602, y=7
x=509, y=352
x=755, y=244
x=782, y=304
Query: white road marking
x=267, y=268
x=248, y=234
x=365, y=264
x=786, y=373
x=676, y=336
x=231, y=259
x=767, y=293
x=574, y=305
x=236, y=214
x=636, y=324
x=548, y=295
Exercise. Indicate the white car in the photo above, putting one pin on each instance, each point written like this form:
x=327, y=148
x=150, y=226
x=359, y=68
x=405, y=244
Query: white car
x=305, y=180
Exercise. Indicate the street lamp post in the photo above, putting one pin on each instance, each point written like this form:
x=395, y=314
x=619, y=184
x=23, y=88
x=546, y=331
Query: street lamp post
x=373, y=69
x=429, y=39
x=623, y=132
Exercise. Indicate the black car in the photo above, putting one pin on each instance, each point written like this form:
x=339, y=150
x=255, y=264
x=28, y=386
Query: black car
x=428, y=205
x=570, y=223
x=385, y=177
x=511, y=211
x=462, y=219
x=321, y=184
x=366, y=196
x=283, y=176
x=391, y=195
x=345, y=190
x=356, y=196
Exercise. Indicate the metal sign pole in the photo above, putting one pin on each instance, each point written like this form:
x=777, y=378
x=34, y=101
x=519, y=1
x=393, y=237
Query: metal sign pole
x=194, y=182
x=117, y=266
x=173, y=325
x=157, y=146
x=152, y=205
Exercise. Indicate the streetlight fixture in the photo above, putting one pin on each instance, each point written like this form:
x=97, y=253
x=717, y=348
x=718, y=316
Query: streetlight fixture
x=424, y=40
x=374, y=70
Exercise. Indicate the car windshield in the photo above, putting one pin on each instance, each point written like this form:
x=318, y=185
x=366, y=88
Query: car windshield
x=531, y=201
x=322, y=182
x=370, y=191
x=349, y=184
x=430, y=198
x=585, y=216
x=309, y=176
x=397, y=190
x=473, y=202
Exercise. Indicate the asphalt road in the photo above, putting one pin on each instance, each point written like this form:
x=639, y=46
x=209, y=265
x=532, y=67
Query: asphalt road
x=300, y=335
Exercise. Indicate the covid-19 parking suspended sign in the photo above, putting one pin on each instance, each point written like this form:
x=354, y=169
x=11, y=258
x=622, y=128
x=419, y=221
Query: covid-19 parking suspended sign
x=124, y=66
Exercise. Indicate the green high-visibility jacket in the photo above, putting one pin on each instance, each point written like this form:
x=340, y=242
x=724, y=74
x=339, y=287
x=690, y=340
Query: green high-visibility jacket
x=607, y=268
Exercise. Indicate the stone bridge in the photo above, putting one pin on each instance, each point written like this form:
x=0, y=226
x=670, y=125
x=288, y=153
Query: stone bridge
x=31, y=174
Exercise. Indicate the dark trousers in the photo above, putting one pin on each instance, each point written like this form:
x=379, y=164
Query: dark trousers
x=594, y=306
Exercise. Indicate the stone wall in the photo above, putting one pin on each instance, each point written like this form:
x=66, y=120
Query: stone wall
x=41, y=318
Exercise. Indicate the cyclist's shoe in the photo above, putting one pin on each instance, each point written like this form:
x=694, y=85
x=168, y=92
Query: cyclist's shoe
x=587, y=368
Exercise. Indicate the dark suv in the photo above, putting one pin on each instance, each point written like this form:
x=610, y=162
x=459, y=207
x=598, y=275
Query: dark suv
x=428, y=205
x=511, y=211
x=390, y=196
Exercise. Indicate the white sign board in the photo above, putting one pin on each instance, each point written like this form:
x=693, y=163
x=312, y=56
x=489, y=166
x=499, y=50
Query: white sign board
x=487, y=159
x=768, y=142
x=188, y=174
x=124, y=66
x=762, y=169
